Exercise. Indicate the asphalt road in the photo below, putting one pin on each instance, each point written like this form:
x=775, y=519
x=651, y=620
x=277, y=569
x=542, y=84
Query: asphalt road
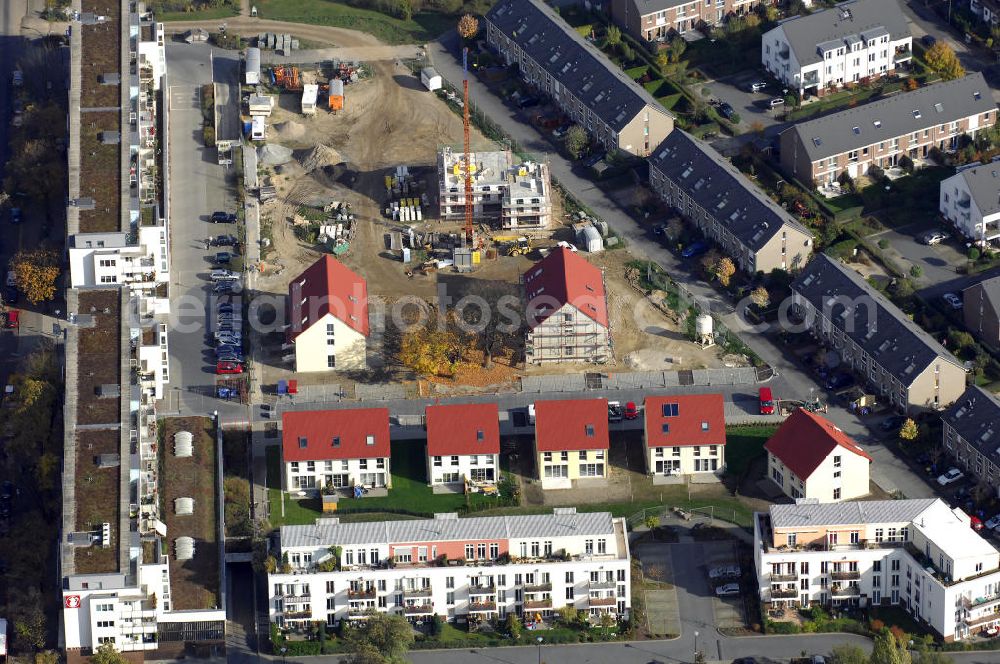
x=198, y=186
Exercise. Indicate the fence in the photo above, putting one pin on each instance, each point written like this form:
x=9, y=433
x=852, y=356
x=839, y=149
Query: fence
x=711, y=512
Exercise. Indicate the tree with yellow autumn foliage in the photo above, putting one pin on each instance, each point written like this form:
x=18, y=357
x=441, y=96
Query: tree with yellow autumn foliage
x=724, y=270
x=429, y=351
x=35, y=274
x=468, y=26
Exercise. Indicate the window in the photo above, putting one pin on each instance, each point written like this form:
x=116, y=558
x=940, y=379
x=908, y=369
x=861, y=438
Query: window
x=437, y=461
x=569, y=593
x=449, y=582
x=602, y=546
x=470, y=551
x=331, y=361
x=583, y=455
x=303, y=442
x=569, y=577
x=836, y=494
x=836, y=461
x=494, y=550
x=369, y=440
x=589, y=430
x=670, y=410
x=588, y=547
x=666, y=427
x=336, y=442
x=450, y=598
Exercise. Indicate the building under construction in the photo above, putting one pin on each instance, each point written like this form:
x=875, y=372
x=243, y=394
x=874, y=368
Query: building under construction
x=504, y=192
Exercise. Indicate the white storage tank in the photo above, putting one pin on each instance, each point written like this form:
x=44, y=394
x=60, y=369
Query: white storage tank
x=431, y=79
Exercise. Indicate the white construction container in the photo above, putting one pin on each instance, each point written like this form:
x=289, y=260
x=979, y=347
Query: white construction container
x=261, y=105
x=310, y=92
x=431, y=79
x=589, y=239
x=258, y=128
x=252, y=69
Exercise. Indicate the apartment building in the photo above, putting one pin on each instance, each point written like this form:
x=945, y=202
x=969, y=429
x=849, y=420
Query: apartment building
x=617, y=112
x=972, y=434
x=336, y=449
x=917, y=554
x=876, y=340
x=684, y=434
x=987, y=10
x=463, y=445
x=566, y=310
x=571, y=441
x=981, y=311
x=473, y=569
x=810, y=457
x=508, y=194
x=970, y=199
x=656, y=20
x=327, y=319
x=850, y=43
x=880, y=133
x=710, y=193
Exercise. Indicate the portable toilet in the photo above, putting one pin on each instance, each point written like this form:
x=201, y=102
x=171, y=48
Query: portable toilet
x=335, y=95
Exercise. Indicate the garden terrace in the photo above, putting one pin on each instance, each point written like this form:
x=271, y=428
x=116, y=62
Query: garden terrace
x=97, y=491
x=100, y=172
x=100, y=54
x=194, y=584
x=99, y=358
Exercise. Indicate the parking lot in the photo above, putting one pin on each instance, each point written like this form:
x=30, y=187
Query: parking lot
x=753, y=107
x=937, y=262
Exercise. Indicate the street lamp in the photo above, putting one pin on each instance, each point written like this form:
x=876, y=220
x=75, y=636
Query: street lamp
x=696, y=645
x=283, y=650
x=539, y=639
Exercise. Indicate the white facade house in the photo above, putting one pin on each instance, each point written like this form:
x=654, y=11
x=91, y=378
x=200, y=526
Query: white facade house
x=328, y=319
x=152, y=52
x=463, y=445
x=917, y=554
x=108, y=259
x=336, y=449
x=684, y=434
x=154, y=358
x=970, y=200
x=474, y=569
x=853, y=42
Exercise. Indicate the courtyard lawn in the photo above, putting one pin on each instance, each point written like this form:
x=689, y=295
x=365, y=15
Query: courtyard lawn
x=421, y=28
x=743, y=445
x=200, y=15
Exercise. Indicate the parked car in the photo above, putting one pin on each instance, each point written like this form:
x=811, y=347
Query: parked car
x=728, y=589
x=631, y=411
x=695, y=249
x=993, y=522
x=223, y=241
x=228, y=368
x=839, y=381
x=224, y=275
x=726, y=111
x=528, y=101
x=724, y=572
x=226, y=287
x=615, y=411
x=223, y=258
x=931, y=238
x=15, y=215
x=219, y=217
x=766, y=399
x=975, y=522
x=776, y=102
x=531, y=414
x=893, y=423
x=953, y=300
x=231, y=359
x=229, y=340
x=756, y=86
x=566, y=245
x=952, y=475
x=225, y=307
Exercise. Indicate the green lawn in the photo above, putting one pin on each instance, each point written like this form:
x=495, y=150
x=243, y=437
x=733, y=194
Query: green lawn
x=833, y=102
x=421, y=28
x=743, y=445
x=200, y=15
x=409, y=491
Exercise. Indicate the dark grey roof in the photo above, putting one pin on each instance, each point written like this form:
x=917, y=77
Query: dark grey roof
x=644, y=7
x=719, y=187
x=582, y=69
x=991, y=289
x=894, y=116
x=848, y=20
x=984, y=186
x=895, y=342
x=976, y=418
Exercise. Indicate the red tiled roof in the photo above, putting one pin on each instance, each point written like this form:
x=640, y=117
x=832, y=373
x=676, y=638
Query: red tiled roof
x=805, y=439
x=564, y=425
x=319, y=428
x=700, y=420
x=328, y=287
x=455, y=429
x=561, y=278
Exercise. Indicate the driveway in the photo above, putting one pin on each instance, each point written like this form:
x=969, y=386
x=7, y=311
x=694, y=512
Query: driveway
x=937, y=262
x=752, y=107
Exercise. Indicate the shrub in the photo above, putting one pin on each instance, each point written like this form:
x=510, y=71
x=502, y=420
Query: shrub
x=842, y=249
x=916, y=271
x=974, y=253
x=883, y=243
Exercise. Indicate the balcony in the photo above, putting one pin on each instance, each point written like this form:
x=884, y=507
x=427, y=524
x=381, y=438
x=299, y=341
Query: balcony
x=982, y=620
x=783, y=593
x=367, y=593
x=845, y=591
x=602, y=585
x=784, y=577
x=482, y=590
x=902, y=55
x=538, y=587
x=295, y=597
x=538, y=604
x=482, y=607
x=360, y=614
x=845, y=576
x=298, y=615
x=418, y=609
x=417, y=592
x=603, y=601
x=980, y=601
x=964, y=202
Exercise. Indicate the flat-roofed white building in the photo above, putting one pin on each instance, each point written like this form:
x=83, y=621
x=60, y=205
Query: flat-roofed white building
x=474, y=568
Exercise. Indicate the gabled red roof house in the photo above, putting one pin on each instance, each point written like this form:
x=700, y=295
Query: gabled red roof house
x=685, y=434
x=566, y=309
x=328, y=318
x=463, y=444
x=571, y=441
x=810, y=457
x=337, y=448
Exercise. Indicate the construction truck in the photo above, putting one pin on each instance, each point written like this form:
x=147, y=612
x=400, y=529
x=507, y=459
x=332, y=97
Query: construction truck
x=513, y=245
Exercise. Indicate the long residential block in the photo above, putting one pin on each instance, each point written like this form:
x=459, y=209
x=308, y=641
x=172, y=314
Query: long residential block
x=920, y=555
x=553, y=57
x=657, y=20
x=971, y=434
x=879, y=134
x=711, y=193
x=890, y=352
x=471, y=569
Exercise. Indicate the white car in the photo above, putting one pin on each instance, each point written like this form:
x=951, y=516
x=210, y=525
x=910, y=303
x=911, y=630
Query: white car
x=952, y=299
x=993, y=523
x=531, y=414
x=224, y=275
x=728, y=589
x=724, y=572
x=933, y=237
x=953, y=475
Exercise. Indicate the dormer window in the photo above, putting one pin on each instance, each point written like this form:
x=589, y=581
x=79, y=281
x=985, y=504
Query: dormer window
x=303, y=442
x=370, y=440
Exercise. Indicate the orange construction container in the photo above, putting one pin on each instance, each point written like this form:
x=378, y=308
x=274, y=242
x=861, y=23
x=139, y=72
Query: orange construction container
x=335, y=94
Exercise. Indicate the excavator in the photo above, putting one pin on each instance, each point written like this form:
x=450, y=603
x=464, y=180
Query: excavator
x=513, y=245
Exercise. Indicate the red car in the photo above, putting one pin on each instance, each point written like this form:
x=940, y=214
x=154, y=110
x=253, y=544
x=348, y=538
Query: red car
x=976, y=523
x=228, y=368
x=631, y=411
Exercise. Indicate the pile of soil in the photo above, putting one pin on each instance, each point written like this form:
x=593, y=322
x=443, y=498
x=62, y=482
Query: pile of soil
x=321, y=156
x=273, y=154
x=289, y=131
